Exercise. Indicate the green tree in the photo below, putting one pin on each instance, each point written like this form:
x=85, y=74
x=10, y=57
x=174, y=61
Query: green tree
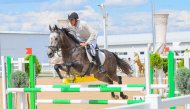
x=38, y=66
x=182, y=79
x=165, y=65
x=156, y=61
x=180, y=64
x=19, y=79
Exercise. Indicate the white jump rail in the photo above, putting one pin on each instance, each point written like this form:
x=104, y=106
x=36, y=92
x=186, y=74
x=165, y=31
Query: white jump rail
x=154, y=101
x=75, y=90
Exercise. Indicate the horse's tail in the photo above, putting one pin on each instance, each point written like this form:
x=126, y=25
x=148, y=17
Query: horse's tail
x=123, y=65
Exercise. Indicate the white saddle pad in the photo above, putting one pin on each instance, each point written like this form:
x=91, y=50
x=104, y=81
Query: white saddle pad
x=101, y=56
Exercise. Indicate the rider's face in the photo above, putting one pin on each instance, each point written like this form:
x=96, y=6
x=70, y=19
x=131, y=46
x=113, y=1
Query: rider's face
x=73, y=22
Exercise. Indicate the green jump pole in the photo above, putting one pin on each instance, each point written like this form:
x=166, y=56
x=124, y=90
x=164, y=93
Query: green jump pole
x=9, y=70
x=171, y=81
x=32, y=81
x=151, y=76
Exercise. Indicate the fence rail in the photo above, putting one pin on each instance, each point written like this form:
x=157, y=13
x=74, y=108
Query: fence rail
x=154, y=101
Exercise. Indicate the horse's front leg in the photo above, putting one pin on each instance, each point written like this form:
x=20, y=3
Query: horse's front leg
x=57, y=68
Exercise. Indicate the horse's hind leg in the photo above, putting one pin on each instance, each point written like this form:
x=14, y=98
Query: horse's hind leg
x=112, y=93
x=122, y=95
x=106, y=79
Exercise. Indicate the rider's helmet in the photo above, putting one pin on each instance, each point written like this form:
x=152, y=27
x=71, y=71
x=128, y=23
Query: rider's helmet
x=73, y=15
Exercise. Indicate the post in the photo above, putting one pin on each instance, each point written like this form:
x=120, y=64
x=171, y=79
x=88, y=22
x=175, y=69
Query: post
x=161, y=20
x=171, y=81
x=22, y=100
x=147, y=74
x=4, y=86
x=21, y=94
x=102, y=7
x=186, y=64
x=32, y=81
x=9, y=70
x=151, y=75
x=105, y=36
x=153, y=25
x=154, y=100
x=187, y=106
x=186, y=59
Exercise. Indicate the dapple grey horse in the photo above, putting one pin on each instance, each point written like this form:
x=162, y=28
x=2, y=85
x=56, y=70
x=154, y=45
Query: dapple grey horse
x=75, y=56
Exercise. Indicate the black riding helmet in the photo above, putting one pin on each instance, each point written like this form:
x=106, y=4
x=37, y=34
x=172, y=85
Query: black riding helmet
x=73, y=15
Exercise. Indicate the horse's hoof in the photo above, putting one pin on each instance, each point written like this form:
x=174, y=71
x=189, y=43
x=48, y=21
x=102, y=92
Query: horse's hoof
x=124, y=97
x=116, y=97
x=66, y=81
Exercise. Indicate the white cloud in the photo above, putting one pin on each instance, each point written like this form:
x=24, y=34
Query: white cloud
x=61, y=5
x=125, y=2
x=138, y=22
x=39, y=21
x=123, y=23
x=179, y=21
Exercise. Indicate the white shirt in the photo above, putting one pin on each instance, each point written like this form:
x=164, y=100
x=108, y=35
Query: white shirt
x=83, y=31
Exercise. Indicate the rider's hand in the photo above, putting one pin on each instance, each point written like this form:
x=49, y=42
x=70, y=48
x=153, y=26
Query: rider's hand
x=83, y=44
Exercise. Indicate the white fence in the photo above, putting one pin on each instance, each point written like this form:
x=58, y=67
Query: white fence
x=154, y=101
x=47, y=70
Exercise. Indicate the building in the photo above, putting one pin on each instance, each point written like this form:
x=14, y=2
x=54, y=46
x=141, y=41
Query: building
x=126, y=45
x=14, y=43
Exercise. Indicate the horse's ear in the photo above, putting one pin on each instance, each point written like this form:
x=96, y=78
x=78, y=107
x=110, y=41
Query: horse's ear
x=56, y=28
x=50, y=28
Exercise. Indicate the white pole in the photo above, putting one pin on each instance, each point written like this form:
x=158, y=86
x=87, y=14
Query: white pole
x=4, y=87
x=160, y=73
x=136, y=70
x=147, y=73
x=187, y=106
x=154, y=100
x=186, y=64
x=22, y=100
x=20, y=64
x=102, y=6
x=105, y=36
x=54, y=72
x=186, y=59
x=21, y=94
x=153, y=25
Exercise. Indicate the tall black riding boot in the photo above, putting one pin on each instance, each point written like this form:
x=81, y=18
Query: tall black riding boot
x=100, y=66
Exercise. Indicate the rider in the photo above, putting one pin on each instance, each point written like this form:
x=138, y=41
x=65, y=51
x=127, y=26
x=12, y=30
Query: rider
x=85, y=33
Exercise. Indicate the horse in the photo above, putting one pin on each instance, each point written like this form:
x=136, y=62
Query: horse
x=139, y=64
x=74, y=56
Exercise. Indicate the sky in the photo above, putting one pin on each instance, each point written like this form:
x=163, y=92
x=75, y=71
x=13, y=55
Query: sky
x=124, y=16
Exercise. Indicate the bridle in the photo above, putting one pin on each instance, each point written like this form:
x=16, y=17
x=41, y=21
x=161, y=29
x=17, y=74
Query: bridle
x=58, y=48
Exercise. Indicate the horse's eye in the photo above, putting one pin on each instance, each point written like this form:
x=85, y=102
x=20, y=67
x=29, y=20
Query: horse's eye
x=55, y=38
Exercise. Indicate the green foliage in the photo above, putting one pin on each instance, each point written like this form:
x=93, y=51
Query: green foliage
x=187, y=50
x=38, y=66
x=181, y=63
x=19, y=79
x=165, y=65
x=156, y=61
x=182, y=79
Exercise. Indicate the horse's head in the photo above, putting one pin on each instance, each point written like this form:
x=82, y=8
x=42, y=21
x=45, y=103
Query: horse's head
x=60, y=39
x=54, y=41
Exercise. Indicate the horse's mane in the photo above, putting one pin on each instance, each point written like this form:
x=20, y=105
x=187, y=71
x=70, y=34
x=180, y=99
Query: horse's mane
x=71, y=36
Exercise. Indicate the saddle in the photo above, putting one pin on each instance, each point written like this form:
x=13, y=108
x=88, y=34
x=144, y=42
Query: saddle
x=90, y=55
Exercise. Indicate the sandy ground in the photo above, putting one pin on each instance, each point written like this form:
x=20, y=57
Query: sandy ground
x=77, y=95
